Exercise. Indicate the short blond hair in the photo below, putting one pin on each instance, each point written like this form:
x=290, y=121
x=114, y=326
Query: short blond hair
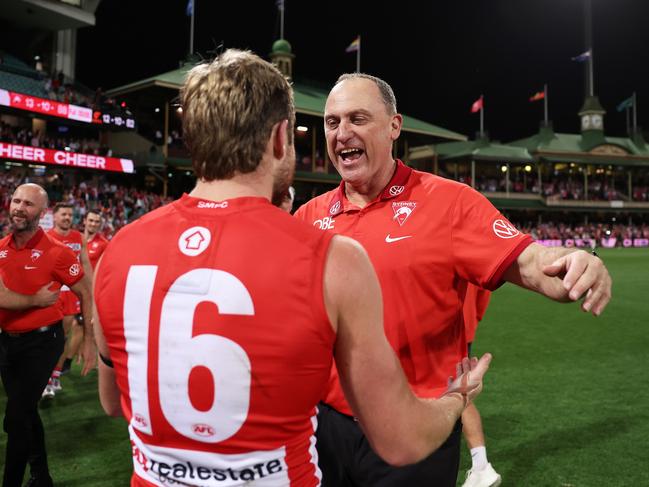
x=229, y=108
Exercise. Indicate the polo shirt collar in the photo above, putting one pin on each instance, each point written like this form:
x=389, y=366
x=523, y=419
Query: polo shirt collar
x=32, y=242
x=394, y=188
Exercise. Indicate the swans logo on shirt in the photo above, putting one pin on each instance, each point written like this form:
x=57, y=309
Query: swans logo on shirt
x=402, y=210
x=74, y=270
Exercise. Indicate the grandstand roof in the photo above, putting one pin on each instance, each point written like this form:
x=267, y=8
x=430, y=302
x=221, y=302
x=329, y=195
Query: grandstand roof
x=482, y=149
x=586, y=148
x=309, y=100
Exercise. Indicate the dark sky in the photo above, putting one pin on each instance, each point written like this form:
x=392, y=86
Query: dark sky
x=439, y=56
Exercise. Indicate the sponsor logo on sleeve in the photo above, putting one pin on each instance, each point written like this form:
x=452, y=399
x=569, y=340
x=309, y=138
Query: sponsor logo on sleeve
x=504, y=229
x=74, y=270
x=326, y=223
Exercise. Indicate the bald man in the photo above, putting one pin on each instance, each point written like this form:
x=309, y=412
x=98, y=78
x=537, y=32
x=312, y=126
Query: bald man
x=32, y=339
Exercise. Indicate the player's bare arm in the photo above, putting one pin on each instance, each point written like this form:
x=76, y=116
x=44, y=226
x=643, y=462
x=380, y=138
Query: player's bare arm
x=108, y=391
x=83, y=290
x=85, y=260
x=43, y=298
x=563, y=275
x=401, y=428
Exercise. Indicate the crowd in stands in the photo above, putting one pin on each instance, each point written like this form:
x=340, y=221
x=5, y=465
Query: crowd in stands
x=118, y=204
x=23, y=136
x=597, y=231
x=600, y=187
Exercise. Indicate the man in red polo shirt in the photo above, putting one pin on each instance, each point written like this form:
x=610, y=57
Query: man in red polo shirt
x=72, y=318
x=95, y=242
x=32, y=340
x=427, y=237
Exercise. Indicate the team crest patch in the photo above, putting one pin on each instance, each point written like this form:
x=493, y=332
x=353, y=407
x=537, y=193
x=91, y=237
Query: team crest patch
x=403, y=210
x=74, y=270
x=36, y=254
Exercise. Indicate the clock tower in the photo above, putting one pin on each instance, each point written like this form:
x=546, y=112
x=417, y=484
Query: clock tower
x=592, y=115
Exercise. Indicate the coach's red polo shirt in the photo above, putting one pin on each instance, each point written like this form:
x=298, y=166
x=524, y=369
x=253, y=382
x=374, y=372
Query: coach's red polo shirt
x=26, y=270
x=427, y=237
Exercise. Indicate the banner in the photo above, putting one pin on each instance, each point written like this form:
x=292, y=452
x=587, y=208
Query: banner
x=64, y=158
x=54, y=108
x=590, y=243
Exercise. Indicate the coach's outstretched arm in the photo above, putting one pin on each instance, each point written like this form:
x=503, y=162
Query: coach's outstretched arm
x=401, y=428
x=563, y=275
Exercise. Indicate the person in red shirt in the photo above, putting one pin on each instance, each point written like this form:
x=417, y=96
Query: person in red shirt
x=95, y=242
x=427, y=237
x=481, y=472
x=69, y=301
x=32, y=339
x=218, y=316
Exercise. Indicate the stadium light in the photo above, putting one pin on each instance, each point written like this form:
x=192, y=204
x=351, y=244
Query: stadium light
x=503, y=168
x=157, y=110
x=179, y=110
x=302, y=128
x=528, y=168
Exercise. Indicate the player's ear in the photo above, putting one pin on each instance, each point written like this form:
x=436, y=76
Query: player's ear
x=280, y=139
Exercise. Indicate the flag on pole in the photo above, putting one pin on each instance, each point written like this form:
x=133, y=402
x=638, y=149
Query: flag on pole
x=628, y=103
x=539, y=95
x=280, y=4
x=584, y=56
x=355, y=45
x=477, y=105
x=189, y=10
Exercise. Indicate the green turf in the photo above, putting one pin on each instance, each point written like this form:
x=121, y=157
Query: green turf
x=565, y=403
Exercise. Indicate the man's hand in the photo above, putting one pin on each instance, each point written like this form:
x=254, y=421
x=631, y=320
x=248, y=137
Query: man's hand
x=585, y=274
x=44, y=297
x=468, y=380
x=88, y=354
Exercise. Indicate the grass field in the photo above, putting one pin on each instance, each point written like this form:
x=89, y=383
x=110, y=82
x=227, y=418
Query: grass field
x=566, y=402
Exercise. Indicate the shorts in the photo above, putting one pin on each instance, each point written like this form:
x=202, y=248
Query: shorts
x=346, y=459
x=70, y=303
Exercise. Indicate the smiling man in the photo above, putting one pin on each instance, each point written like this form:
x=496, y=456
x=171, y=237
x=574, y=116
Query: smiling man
x=427, y=237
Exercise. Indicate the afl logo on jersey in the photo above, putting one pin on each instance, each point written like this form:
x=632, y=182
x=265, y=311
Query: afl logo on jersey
x=396, y=190
x=194, y=241
x=504, y=229
x=203, y=430
x=74, y=270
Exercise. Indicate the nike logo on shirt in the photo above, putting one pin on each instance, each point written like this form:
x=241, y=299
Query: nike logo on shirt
x=28, y=267
x=389, y=239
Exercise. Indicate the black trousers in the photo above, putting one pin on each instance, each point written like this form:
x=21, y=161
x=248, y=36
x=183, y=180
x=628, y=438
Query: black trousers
x=346, y=459
x=26, y=362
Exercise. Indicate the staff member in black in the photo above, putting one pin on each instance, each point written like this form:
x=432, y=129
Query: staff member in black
x=32, y=339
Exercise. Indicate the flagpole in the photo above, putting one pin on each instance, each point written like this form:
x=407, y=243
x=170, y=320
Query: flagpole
x=545, y=103
x=482, y=117
x=628, y=121
x=589, y=44
x=635, y=112
x=191, y=29
x=281, y=19
x=358, y=55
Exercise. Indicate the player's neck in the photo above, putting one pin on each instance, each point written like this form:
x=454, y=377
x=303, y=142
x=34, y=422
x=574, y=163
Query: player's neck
x=238, y=186
x=63, y=233
x=22, y=237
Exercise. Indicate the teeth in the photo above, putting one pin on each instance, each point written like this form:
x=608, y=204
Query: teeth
x=345, y=152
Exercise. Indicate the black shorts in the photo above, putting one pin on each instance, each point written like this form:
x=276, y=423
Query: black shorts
x=346, y=459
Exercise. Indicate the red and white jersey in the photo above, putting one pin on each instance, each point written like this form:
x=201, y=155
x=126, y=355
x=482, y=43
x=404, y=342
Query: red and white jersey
x=215, y=320
x=426, y=237
x=96, y=246
x=73, y=240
